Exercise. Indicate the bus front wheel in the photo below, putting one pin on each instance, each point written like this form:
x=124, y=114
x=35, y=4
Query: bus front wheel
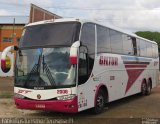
x=100, y=102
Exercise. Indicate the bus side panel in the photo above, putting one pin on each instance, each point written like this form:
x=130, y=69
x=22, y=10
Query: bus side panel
x=116, y=84
x=155, y=66
x=86, y=94
x=120, y=78
x=157, y=77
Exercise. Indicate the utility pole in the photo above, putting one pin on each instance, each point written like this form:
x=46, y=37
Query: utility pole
x=13, y=35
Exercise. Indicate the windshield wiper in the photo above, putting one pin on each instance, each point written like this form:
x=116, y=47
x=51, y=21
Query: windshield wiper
x=48, y=72
x=35, y=72
x=32, y=74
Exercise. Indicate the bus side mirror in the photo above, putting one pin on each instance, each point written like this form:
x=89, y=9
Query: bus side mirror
x=74, y=52
x=4, y=56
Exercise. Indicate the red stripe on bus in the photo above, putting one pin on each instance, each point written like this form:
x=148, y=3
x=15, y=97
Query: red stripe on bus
x=69, y=106
x=73, y=59
x=136, y=66
x=133, y=75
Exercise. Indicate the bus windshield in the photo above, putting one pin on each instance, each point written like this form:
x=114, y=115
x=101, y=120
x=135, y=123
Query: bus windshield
x=50, y=34
x=44, y=67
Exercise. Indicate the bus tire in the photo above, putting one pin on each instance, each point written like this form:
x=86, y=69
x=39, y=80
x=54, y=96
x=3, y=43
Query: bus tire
x=149, y=87
x=100, y=102
x=144, y=88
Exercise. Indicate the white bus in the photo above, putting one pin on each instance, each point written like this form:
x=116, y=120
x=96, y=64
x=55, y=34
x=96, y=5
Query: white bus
x=70, y=65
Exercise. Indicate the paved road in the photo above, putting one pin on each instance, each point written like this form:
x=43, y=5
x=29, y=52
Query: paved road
x=6, y=84
x=136, y=106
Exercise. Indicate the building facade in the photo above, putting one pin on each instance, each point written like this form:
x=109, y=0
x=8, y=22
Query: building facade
x=38, y=14
x=10, y=35
x=11, y=28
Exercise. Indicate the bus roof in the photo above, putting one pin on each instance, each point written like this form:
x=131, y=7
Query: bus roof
x=84, y=21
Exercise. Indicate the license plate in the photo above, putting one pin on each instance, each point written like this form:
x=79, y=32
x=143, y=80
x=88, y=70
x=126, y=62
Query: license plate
x=40, y=106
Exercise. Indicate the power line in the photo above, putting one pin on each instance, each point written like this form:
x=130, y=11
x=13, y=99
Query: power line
x=85, y=8
x=14, y=16
x=14, y=4
x=105, y=9
x=99, y=19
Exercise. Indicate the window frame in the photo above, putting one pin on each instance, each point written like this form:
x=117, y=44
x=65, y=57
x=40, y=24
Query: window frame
x=7, y=39
x=107, y=40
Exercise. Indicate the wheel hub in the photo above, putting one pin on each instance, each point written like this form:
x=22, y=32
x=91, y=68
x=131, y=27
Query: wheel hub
x=100, y=102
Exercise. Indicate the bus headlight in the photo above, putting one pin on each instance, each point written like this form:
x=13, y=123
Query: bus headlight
x=19, y=96
x=66, y=97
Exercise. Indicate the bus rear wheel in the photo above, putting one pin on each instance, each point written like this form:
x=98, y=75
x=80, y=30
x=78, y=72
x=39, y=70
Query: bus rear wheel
x=100, y=102
x=149, y=87
x=144, y=88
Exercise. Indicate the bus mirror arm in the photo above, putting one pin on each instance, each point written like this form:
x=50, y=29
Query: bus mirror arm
x=73, y=52
x=16, y=48
x=4, y=55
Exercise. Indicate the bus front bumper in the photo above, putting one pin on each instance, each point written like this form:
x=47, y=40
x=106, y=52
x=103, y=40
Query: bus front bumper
x=68, y=106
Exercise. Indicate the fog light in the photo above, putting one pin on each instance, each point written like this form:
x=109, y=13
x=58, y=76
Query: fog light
x=71, y=106
x=19, y=96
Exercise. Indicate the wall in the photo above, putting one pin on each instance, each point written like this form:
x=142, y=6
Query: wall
x=38, y=14
x=7, y=31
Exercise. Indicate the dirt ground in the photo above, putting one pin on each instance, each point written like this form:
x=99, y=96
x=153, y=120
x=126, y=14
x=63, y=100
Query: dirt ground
x=130, y=109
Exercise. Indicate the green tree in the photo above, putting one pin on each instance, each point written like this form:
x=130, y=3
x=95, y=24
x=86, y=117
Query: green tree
x=154, y=36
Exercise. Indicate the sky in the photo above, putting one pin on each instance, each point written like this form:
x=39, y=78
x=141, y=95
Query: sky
x=132, y=15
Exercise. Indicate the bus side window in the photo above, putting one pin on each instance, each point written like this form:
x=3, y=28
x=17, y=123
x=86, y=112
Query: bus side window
x=103, y=40
x=88, y=37
x=149, y=49
x=127, y=45
x=116, y=41
x=143, y=50
x=87, y=52
x=155, y=51
x=83, y=67
x=138, y=46
x=134, y=45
